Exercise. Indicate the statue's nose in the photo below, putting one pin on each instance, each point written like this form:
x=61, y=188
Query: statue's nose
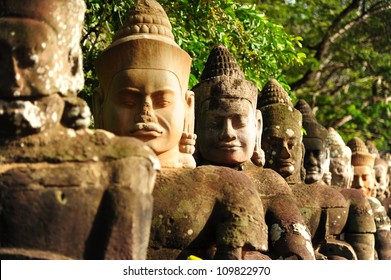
x=146, y=114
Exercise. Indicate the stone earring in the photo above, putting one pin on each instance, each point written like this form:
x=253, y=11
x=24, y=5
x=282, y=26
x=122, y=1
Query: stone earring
x=258, y=157
x=187, y=149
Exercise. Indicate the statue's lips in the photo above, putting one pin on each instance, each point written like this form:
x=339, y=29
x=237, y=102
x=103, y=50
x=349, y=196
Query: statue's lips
x=146, y=129
x=228, y=147
x=285, y=163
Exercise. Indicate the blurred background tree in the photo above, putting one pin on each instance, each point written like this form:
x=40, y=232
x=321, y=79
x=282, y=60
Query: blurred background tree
x=335, y=54
x=346, y=77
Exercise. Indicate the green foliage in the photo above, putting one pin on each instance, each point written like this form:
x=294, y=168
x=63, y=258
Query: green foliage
x=347, y=73
x=342, y=69
x=261, y=47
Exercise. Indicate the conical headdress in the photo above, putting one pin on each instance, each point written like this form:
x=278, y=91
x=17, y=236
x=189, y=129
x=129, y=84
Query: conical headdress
x=277, y=109
x=360, y=153
x=273, y=93
x=221, y=63
x=337, y=146
x=144, y=42
x=223, y=78
x=310, y=124
x=372, y=148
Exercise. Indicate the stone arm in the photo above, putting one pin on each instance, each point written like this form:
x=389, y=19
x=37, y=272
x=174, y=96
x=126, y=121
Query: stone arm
x=288, y=235
x=241, y=227
x=383, y=233
x=360, y=227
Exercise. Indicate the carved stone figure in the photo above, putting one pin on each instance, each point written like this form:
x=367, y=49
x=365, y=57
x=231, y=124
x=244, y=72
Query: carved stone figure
x=364, y=180
x=372, y=148
x=64, y=193
x=324, y=209
x=316, y=153
x=386, y=156
x=340, y=160
x=211, y=212
x=229, y=128
x=381, y=178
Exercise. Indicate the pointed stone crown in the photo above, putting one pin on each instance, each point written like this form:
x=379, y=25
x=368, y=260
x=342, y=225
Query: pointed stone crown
x=337, y=146
x=360, y=153
x=146, y=17
x=223, y=78
x=312, y=127
x=380, y=161
x=221, y=63
x=273, y=93
x=372, y=148
x=145, y=41
x=277, y=109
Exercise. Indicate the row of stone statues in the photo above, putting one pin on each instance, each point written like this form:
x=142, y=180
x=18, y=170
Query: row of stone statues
x=219, y=171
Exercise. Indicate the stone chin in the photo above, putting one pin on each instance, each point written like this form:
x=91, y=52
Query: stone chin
x=286, y=170
x=313, y=178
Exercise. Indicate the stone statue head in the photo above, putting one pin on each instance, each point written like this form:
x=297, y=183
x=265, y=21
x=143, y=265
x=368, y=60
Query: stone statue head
x=282, y=132
x=41, y=62
x=381, y=177
x=372, y=148
x=363, y=163
x=143, y=78
x=316, y=156
x=340, y=160
x=228, y=125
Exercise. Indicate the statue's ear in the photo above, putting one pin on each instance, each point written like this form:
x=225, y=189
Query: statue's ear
x=258, y=157
x=327, y=160
x=75, y=61
x=188, y=138
x=259, y=119
x=97, y=107
x=302, y=169
x=189, y=112
x=76, y=75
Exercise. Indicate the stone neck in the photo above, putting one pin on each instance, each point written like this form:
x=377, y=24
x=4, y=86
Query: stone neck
x=240, y=166
x=172, y=159
x=293, y=179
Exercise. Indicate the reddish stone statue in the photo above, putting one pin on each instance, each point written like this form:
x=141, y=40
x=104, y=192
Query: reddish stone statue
x=211, y=212
x=364, y=180
x=66, y=192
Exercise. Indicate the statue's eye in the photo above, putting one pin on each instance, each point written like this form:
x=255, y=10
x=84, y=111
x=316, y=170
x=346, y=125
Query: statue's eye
x=162, y=99
x=339, y=170
x=291, y=144
x=25, y=57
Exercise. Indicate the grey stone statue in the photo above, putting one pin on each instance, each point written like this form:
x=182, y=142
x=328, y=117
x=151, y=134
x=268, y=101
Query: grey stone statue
x=229, y=129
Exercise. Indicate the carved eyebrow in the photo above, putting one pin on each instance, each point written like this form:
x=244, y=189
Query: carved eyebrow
x=129, y=89
x=163, y=91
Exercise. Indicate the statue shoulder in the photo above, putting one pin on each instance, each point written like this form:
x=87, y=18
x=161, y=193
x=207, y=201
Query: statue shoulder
x=268, y=181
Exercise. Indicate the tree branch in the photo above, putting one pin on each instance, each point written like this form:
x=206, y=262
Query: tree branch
x=334, y=33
